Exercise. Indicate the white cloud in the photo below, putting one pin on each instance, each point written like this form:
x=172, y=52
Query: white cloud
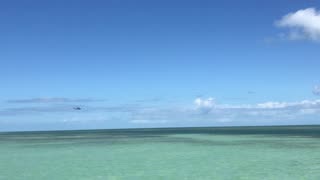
x=204, y=103
x=302, y=24
x=316, y=90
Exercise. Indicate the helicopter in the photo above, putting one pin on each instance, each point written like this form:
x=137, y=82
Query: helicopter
x=77, y=108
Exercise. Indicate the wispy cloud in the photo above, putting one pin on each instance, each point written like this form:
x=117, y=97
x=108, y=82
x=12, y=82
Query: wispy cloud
x=53, y=100
x=316, y=90
x=262, y=106
x=144, y=121
x=35, y=109
x=152, y=100
x=302, y=24
x=251, y=92
x=66, y=108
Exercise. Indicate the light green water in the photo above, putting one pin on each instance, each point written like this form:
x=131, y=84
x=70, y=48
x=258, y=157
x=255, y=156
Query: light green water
x=291, y=152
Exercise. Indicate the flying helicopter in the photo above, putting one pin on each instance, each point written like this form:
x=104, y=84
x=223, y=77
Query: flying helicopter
x=77, y=108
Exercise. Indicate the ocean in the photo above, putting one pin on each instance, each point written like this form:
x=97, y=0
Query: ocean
x=265, y=152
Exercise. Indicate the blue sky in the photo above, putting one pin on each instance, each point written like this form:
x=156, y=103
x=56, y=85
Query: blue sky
x=158, y=63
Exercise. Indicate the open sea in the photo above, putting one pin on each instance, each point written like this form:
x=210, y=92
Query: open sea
x=270, y=152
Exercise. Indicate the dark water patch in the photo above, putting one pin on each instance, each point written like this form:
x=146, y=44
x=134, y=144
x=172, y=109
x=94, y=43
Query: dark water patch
x=164, y=135
x=310, y=131
x=245, y=141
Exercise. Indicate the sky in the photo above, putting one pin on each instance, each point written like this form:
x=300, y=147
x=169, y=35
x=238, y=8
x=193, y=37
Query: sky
x=168, y=63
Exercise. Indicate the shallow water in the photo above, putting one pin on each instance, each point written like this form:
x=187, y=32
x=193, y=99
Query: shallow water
x=287, y=152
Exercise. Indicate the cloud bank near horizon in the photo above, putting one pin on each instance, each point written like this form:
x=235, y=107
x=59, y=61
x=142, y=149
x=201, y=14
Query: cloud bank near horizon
x=203, y=111
x=207, y=111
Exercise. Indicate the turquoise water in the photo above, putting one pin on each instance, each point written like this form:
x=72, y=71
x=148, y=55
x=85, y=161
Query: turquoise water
x=287, y=152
